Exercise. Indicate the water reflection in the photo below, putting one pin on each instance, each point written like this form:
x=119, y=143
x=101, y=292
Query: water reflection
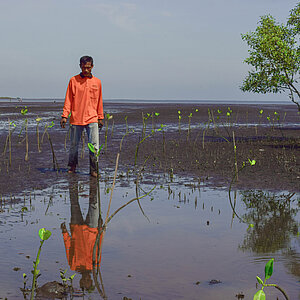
x=79, y=243
x=273, y=217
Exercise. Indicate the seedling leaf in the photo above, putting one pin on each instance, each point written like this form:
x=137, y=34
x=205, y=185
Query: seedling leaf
x=259, y=280
x=51, y=125
x=91, y=147
x=252, y=162
x=44, y=234
x=259, y=295
x=250, y=226
x=269, y=268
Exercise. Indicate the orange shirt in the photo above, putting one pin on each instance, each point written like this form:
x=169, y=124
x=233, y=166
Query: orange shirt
x=83, y=100
x=79, y=247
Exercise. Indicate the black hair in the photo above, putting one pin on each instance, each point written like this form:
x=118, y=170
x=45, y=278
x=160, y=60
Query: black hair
x=86, y=59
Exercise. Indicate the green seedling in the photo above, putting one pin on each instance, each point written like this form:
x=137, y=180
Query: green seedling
x=38, y=120
x=54, y=160
x=152, y=116
x=143, y=139
x=219, y=112
x=11, y=129
x=44, y=235
x=93, y=149
x=145, y=117
x=24, y=111
x=126, y=117
x=260, y=294
x=65, y=279
x=189, y=128
x=179, y=120
x=107, y=118
x=251, y=163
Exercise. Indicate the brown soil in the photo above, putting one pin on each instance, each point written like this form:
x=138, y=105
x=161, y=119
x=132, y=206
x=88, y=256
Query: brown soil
x=204, y=153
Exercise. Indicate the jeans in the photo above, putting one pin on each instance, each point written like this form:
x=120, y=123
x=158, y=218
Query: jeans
x=93, y=138
x=92, y=217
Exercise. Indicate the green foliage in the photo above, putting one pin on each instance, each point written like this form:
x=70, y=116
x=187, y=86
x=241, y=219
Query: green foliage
x=274, y=55
x=269, y=269
x=93, y=149
x=24, y=111
x=44, y=234
x=259, y=295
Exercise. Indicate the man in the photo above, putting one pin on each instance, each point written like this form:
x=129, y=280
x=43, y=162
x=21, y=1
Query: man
x=84, y=102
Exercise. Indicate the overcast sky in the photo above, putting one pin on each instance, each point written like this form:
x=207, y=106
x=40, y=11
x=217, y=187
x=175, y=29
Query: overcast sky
x=142, y=49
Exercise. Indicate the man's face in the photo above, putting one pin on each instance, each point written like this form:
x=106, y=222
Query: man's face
x=86, y=68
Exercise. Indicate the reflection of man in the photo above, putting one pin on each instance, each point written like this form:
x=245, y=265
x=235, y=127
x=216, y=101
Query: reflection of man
x=79, y=245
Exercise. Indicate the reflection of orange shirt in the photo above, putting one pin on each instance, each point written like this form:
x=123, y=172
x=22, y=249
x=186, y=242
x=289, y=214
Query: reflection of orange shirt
x=83, y=100
x=79, y=247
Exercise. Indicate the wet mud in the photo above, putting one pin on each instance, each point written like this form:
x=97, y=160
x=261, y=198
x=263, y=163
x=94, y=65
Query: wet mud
x=214, y=169
x=208, y=145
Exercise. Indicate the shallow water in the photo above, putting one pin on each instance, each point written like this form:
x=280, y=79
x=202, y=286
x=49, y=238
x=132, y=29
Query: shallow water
x=187, y=238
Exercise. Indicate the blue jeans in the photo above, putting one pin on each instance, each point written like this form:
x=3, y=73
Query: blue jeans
x=93, y=138
x=92, y=217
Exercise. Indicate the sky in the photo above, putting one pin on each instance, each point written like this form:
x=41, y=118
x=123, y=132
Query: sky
x=142, y=49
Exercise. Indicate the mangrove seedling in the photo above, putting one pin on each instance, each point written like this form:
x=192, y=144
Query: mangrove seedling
x=65, y=279
x=54, y=160
x=44, y=235
x=189, y=128
x=143, y=139
x=24, y=112
x=179, y=120
x=260, y=294
x=144, y=119
x=97, y=153
x=152, y=116
x=126, y=117
x=38, y=120
x=8, y=139
x=107, y=118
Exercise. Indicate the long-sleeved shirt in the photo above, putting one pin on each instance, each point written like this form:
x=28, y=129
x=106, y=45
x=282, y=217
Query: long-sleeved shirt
x=79, y=246
x=83, y=100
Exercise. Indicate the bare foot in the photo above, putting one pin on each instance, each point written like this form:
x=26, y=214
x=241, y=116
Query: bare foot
x=94, y=174
x=72, y=170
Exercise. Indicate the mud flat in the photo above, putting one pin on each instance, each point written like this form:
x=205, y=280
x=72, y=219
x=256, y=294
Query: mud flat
x=225, y=200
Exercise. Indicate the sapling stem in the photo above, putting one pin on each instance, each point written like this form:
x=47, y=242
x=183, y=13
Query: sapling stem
x=37, y=134
x=26, y=140
x=235, y=160
x=179, y=121
x=189, y=128
x=44, y=235
x=107, y=118
x=260, y=294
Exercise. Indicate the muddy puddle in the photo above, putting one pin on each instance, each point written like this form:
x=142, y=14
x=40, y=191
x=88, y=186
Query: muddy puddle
x=185, y=243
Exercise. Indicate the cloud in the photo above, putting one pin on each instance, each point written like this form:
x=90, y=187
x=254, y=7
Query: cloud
x=121, y=15
x=166, y=14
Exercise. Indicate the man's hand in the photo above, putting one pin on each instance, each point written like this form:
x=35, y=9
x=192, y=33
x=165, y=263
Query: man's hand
x=63, y=122
x=100, y=123
x=63, y=227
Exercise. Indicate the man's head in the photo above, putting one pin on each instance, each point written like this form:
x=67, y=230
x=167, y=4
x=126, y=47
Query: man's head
x=86, y=65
